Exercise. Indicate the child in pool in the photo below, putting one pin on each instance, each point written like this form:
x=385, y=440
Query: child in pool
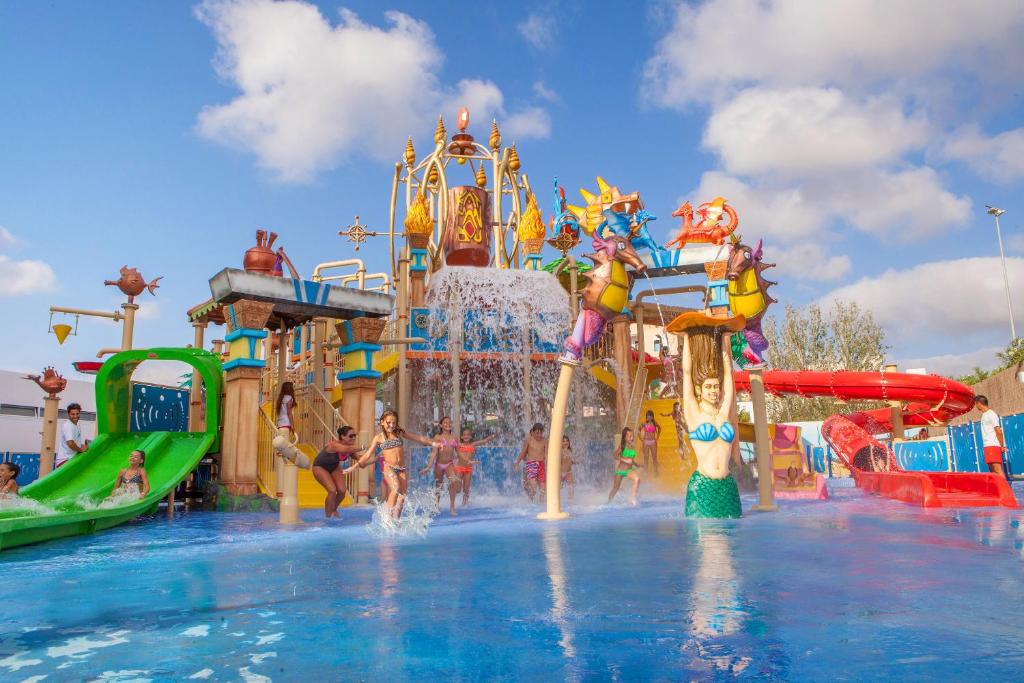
x=133, y=479
x=466, y=458
x=567, y=462
x=532, y=455
x=626, y=465
x=9, y=479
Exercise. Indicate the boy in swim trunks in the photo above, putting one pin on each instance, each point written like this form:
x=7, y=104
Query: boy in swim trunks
x=533, y=453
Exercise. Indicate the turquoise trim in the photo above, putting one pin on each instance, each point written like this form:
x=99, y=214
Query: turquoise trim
x=358, y=374
x=244, y=363
x=245, y=332
x=360, y=346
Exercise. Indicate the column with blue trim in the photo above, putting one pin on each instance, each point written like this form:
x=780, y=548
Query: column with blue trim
x=358, y=377
x=246, y=321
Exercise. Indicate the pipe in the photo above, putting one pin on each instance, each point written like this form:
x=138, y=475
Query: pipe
x=761, y=439
x=553, y=469
x=115, y=316
x=638, y=311
x=339, y=264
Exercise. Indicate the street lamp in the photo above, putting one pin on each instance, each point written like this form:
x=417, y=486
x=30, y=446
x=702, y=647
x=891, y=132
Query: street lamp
x=993, y=211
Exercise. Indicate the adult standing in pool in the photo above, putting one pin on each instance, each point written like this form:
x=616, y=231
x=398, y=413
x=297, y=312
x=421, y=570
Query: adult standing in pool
x=69, y=441
x=328, y=472
x=390, y=444
x=993, y=440
x=707, y=377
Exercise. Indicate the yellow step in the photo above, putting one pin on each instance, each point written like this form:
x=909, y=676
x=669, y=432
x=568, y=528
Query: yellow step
x=673, y=471
x=311, y=494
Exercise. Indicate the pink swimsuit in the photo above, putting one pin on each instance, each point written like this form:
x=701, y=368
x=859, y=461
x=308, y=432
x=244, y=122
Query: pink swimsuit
x=649, y=435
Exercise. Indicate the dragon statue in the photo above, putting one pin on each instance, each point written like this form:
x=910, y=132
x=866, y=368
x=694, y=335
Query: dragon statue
x=749, y=297
x=708, y=228
x=611, y=212
x=607, y=292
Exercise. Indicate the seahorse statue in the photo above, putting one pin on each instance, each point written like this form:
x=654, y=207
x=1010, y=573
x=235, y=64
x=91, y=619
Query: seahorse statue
x=748, y=296
x=607, y=292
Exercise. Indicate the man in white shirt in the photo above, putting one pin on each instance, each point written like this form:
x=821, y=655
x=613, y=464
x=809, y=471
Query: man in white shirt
x=992, y=441
x=69, y=437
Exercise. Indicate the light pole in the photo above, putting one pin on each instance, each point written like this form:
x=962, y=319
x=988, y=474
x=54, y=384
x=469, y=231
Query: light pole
x=993, y=211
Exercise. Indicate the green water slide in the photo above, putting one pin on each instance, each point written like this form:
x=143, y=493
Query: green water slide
x=71, y=500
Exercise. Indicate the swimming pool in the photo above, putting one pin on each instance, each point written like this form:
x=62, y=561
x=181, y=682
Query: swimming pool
x=850, y=589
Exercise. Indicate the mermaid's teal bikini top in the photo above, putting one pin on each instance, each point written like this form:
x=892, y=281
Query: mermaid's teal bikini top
x=708, y=432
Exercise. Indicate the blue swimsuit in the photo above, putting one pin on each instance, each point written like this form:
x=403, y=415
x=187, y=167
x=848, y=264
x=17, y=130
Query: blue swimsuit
x=708, y=432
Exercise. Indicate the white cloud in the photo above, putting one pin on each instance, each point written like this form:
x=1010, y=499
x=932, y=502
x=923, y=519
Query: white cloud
x=809, y=261
x=784, y=213
x=955, y=364
x=313, y=92
x=532, y=122
x=149, y=309
x=538, y=30
x=961, y=298
x=7, y=240
x=18, y=278
x=809, y=130
x=720, y=46
x=545, y=93
x=165, y=372
x=999, y=158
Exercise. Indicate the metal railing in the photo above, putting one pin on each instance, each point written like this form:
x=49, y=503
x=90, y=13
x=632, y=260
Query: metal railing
x=266, y=468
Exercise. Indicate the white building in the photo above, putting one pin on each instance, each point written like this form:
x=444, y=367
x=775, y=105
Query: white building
x=21, y=411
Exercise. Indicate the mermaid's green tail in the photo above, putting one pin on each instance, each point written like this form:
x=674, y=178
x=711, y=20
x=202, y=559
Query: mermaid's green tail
x=706, y=497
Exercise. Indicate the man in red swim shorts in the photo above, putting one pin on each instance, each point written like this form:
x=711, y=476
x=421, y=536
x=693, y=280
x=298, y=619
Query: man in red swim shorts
x=992, y=440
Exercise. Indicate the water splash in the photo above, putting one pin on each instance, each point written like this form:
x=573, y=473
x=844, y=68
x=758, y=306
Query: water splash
x=657, y=301
x=417, y=516
x=510, y=325
x=29, y=506
x=117, y=499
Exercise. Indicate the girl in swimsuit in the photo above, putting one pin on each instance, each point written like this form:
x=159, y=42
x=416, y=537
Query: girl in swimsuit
x=651, y=430
x=567, y=463
x=9, y=472
x=133, y=479
x=466, y=460
x=390, y=444
x=442, y=460
x=285, y=407
x=328, y=472
x=682, y=433
x=626, y=465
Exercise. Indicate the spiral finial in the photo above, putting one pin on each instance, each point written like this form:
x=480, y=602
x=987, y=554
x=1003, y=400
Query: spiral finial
x=410, y=153
x=440, y=134
x=495, y=139
x=513, y=159
x=481, y=176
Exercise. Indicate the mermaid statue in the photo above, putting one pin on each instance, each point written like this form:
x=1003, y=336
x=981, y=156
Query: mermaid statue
x=708, y=394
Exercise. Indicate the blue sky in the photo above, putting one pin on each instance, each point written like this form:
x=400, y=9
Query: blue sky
x=860, y=139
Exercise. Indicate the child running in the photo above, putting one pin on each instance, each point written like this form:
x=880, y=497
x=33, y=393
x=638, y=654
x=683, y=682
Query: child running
x=626, y=465
x=133, y=480
x=9, y=472
x=533, y=453
x=567, y=463
x=467, y=458
x=442, y=460
x=390, y=443
x=328, y=472
x=652, y=430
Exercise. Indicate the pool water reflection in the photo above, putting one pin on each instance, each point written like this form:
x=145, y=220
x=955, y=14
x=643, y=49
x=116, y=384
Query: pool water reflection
x=849, y=589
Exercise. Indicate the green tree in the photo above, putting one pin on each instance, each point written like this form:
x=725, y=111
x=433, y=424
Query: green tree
x=846, y=337
x=974, y=377
x=1013, y=354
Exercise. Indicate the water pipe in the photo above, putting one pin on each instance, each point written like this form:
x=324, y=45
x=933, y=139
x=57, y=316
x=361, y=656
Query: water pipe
x=638, y=310
x=360, y=270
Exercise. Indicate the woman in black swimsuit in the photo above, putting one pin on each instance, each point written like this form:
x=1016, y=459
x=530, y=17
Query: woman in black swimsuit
x=327, y=470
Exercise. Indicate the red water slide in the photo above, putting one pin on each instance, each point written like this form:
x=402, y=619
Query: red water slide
x=925, y=399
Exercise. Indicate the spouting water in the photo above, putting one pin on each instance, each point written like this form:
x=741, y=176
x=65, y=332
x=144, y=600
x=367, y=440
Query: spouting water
x=654, y=292
x=503, y=330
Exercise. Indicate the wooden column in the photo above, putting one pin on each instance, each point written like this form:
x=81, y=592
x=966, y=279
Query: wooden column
x=358, y=379
x=623, y=358
x=766, y=500
x=246, y=335
x=47, y=451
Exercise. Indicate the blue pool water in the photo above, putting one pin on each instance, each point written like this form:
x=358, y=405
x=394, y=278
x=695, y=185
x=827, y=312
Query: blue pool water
x=854, y=589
